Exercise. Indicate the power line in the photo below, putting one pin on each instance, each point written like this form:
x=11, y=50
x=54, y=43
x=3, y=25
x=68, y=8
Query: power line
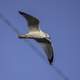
x=60, y=73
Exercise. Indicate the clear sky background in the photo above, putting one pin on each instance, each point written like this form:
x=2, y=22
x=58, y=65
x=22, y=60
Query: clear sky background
x=21, y=60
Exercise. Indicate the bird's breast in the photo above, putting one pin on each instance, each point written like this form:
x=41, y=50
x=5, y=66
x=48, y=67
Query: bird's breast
x=37, y=34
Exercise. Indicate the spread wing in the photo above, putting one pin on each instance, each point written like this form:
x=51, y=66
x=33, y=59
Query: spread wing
x=33, y=22
x=46, y=45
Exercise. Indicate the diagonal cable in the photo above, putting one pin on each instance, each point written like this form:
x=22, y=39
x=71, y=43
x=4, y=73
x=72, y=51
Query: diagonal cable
x=60, y=73
x=3, y=18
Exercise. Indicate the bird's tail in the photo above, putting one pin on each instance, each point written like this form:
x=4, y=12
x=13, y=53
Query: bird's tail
x=24, y=36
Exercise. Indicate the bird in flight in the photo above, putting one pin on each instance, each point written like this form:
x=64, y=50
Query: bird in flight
x=38, y=35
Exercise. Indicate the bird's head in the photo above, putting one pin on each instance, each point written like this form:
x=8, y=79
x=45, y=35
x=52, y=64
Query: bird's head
x=47, y=35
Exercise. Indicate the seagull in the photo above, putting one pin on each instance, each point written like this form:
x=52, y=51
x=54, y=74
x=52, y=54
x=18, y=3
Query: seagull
x=38, y=35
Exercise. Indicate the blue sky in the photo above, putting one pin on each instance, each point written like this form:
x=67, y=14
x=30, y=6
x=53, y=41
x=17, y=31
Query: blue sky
x=21, y=60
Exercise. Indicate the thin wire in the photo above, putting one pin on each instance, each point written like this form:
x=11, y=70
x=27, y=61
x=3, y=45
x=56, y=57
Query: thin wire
x=9, y=24
x=60, y=73
x=3, y=18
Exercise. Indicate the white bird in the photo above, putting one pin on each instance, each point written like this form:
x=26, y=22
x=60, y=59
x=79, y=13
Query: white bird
x=37, y=34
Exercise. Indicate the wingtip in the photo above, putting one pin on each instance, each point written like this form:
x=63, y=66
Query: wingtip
x=25, y=14
x=31, y=19
x=20, y=12
x=50, y=61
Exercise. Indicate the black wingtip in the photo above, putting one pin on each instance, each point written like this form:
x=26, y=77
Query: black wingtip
x=50, y=60
x=28, y=16
x=20, y=12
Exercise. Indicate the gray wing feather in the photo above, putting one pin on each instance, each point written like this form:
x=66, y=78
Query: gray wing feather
x=46, y=45
x=48, y=50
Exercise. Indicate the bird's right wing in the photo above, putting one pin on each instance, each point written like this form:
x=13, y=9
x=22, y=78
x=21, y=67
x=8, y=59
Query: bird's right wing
x=33, y=22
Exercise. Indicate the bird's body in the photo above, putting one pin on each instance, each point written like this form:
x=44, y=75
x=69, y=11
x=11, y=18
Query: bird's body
x=37, y=34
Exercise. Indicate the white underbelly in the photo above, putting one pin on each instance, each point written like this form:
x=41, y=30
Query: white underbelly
x=37, y=34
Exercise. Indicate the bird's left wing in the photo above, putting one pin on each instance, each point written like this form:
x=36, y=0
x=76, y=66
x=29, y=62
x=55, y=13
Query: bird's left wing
x=47, y=46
